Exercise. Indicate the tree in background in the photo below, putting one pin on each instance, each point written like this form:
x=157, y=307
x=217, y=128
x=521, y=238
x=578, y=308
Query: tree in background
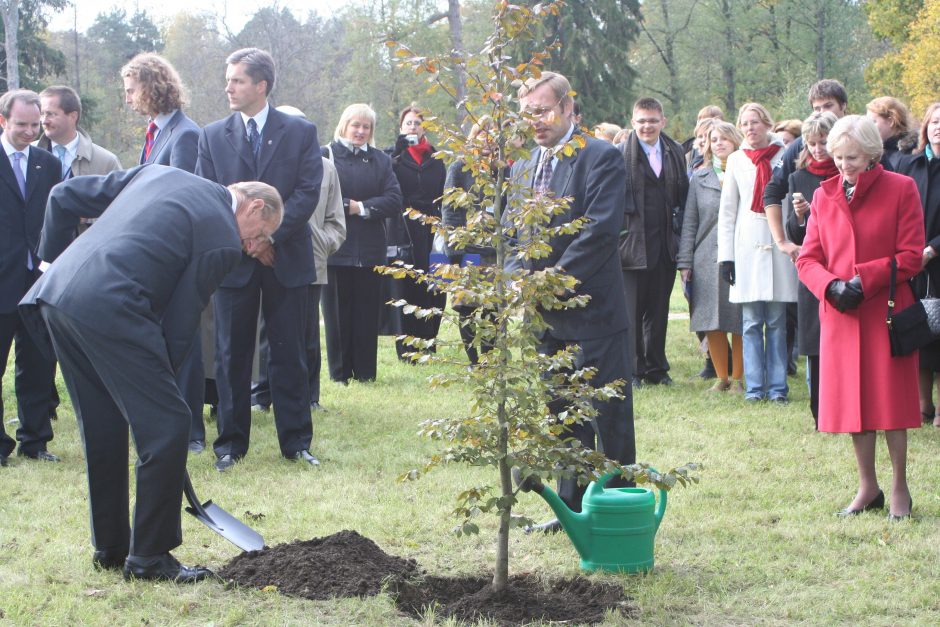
x=596, y=39
x=23, y=28
x=890, y=22
x=919, y=59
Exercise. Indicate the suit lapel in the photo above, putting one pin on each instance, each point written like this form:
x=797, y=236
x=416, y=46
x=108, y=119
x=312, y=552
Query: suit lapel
x=34, y=172
x=271, y=136
x=163, y=138
x=235, y=133
x=6, y=173
x=561, y=177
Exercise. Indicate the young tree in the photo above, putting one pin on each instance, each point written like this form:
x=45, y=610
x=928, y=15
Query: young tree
x=509, y=423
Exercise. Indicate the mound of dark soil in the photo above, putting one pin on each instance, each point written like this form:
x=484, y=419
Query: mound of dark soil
x=346, y=565
x=526, y=600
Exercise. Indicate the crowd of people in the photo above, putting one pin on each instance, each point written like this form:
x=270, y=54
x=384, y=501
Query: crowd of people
x=782, y=235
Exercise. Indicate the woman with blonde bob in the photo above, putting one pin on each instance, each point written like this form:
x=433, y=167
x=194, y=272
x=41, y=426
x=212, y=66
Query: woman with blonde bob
x=711, y=311
x=762, y=278
x=864, y=220
x=813, y=166
x=351, y=300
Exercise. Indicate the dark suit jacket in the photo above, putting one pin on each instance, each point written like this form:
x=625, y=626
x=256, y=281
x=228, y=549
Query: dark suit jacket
x=176, y=145
x=165, y=243
x=593, y=177
x=290, y=161
x=21, y=220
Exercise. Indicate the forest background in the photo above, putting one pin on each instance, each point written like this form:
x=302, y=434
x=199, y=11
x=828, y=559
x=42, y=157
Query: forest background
x=687, y=53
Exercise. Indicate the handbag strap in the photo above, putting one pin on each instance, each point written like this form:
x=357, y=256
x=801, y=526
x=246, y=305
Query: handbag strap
x=891, y=286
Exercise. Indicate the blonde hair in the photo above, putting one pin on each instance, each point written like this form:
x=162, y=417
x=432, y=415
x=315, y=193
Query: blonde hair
x=607, y=129
x=923, y=141
x=556, y=82
x=728, y=131
x=859, y=129
x=794, y=127
x=895, y=112
x=359, y=110
x=710, y=111
x=817, y=124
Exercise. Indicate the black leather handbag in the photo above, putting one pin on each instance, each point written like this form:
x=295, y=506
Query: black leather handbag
x=914, y=327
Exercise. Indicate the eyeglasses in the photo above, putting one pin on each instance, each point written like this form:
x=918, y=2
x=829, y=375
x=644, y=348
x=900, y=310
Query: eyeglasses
x=539, y=112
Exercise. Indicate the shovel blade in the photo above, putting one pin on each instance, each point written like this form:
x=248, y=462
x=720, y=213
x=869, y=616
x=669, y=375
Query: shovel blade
x=229, y=527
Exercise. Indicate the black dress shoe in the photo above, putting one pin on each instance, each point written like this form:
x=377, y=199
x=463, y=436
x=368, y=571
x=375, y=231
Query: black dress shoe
x=197, y=446
x=549, y=526
x=876, y=503
x=304, y=456
x=900, y=517
x=315, y=406
x=43, y=456
x=636, y=382
x=163, y=567
x=3, y=460
x=708, y=372
x=109, y=559
x=225, y=462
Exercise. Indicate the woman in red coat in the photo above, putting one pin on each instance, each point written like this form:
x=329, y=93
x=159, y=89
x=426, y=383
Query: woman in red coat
x=860, y=220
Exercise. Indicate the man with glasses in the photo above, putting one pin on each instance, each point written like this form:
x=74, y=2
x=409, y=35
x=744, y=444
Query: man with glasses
x=657, y=186
x=592, y=179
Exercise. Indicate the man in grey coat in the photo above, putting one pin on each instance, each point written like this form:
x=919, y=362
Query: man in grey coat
x=122, y=305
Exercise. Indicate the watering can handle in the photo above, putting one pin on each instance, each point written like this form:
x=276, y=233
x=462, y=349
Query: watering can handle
x=598, y=486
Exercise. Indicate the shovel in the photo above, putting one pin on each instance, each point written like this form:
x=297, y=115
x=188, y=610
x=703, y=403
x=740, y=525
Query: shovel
x=221, y=522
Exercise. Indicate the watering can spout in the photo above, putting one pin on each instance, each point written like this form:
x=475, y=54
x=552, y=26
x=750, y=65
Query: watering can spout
x=573, y=523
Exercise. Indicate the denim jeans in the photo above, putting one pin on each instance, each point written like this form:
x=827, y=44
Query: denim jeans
x=765, y=362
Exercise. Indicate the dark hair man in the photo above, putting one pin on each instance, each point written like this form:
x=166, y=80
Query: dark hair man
x=259, y=143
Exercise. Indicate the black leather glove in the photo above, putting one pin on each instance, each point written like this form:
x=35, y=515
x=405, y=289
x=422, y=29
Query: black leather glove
x=845, y=295
x=726, y=270
x=401, y=145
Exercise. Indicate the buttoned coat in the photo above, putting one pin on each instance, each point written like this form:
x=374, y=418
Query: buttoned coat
x=710, y=309
x=289, y=161
x=762, y=272
x=861, y=386
x=594, y=179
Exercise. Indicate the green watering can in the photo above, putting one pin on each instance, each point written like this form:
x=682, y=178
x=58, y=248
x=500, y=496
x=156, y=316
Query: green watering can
x=616, y=526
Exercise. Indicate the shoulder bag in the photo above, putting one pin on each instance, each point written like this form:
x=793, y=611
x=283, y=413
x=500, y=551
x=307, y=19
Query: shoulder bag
x=914, y=327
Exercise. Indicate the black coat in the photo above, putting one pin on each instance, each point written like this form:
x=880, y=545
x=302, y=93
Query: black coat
x=367, y=178
x=807, y=305
x=927, y=177
x=421, y=187
x=457, y=216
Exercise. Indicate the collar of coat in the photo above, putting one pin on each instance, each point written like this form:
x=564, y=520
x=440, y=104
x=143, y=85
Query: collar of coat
x=832, y=187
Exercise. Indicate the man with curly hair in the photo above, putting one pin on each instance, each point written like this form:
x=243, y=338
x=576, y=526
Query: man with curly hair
x=153, y=88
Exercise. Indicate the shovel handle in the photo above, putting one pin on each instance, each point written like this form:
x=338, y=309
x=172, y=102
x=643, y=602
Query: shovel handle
x=192, y=498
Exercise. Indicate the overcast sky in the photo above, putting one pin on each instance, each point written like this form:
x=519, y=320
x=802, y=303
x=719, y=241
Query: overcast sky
x=237, y=12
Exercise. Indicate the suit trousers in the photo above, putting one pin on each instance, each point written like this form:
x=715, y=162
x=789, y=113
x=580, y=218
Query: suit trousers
x=653, y=289
x=351, y=301
x=118, y=384
x=261, y=389
x=611, y=432
x=191, y=377
x=34, y=381
x=236, y=321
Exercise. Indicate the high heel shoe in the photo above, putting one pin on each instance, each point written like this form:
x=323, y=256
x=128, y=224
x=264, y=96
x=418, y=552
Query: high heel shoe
x=876, y=503
x=899, y=517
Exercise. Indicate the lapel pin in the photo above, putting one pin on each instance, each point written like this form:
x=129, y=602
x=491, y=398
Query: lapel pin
x=270, y=142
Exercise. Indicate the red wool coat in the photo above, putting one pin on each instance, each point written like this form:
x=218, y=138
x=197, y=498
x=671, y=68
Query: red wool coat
x=861, y=386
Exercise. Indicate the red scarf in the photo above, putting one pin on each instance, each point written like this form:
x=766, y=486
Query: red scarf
x=761, y=159
x=420, y=150
x=825, y=168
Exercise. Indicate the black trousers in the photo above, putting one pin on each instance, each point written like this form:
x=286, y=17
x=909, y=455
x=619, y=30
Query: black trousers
x=34, y=381
x=653, y=288
x=118, y=384
x=420, y=295
x=261, y=389
x=192, y=381
x=351, y=304
x=236, y=322
x=612, y=431
x=467, y=336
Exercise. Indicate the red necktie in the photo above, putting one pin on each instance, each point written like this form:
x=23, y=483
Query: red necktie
x=148, y=143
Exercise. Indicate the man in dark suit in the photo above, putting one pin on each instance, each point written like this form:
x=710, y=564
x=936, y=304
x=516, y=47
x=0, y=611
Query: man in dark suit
x=27, y=175
x=122, y=303
x=260, y=143
x=593, y=179
x=656, y=188
x=153, y=88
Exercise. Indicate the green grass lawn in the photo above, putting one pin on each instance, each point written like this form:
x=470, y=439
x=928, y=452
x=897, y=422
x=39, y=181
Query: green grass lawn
x=756, y=542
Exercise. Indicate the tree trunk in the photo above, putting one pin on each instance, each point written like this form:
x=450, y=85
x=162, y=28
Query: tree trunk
x=11, y=26
x=78, y=72
x=820, y=41
x=669, y=57
x=727, y=62
x=456, y=44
